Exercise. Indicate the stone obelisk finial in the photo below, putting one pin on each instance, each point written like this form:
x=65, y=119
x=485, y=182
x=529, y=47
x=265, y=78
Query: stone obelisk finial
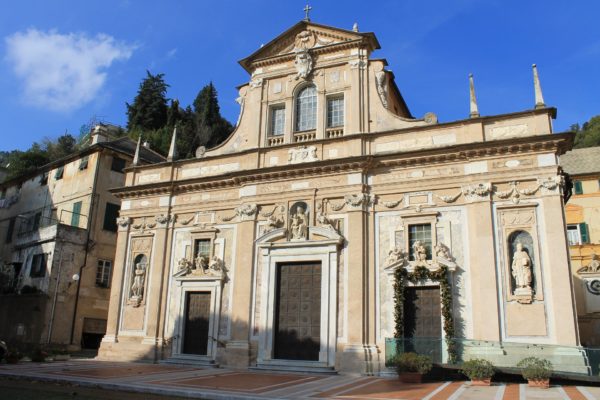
x=173, y=148
x=539, y=98
x=473, y=99
x=136, y=157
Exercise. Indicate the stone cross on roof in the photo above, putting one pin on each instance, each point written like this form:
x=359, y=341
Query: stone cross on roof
x=307, y=9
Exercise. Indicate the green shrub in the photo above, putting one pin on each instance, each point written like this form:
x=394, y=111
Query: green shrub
x=478, y=369
x=412, y=362
x=535, y=369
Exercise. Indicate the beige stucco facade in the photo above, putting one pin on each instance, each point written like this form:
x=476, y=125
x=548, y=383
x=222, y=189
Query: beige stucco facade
x=53, y=238
x=583, y=228
x=477, y=186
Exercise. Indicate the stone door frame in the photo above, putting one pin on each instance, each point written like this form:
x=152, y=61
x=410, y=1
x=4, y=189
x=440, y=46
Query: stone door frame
x=214, y=286
x=272, y=251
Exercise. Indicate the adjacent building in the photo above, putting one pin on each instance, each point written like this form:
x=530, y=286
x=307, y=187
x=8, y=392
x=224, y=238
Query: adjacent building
x=57, y=244
x=583, y=232
x=279, y=248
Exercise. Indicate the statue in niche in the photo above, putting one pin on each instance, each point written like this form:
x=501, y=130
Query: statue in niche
x=521, y=270
x=139, y=278
x=592, y=267
x=419, y=252
x=299, y=224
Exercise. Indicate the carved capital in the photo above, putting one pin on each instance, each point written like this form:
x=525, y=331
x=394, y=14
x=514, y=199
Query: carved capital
x=123, y=222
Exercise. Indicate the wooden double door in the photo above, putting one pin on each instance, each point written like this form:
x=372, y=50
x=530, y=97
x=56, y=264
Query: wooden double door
x=423, y=321
x=298, y=311
x=196, y=323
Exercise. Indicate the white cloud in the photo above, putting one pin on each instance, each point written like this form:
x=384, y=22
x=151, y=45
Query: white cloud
x=62, y=72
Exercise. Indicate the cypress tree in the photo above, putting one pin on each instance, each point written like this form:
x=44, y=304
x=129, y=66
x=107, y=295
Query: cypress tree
x=149, y=109
x=211, y=128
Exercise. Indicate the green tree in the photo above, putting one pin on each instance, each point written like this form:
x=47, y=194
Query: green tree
x=587, y=135
x=211, y=128
x=148, y=111
x=61, y=147
x=23, y=162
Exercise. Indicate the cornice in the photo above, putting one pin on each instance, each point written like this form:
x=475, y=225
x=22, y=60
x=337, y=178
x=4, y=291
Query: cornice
x=464, y=152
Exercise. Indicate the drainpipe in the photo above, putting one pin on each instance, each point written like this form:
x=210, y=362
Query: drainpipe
x=87, y=245
x=55, y=293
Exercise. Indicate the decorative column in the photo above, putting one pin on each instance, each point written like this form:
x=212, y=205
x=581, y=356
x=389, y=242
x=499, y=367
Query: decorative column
x=117, y=284
x=160, y=263
x=482, y=262
x=360, y=352
x=237, y=349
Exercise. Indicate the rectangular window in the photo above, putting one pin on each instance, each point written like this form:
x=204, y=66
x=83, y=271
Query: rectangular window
x=38, y=266
x=419, y=233
x=118, y=164
x=578, y=187
x=83, y=164
x=10, y=230
x=59, y=173
x=44, y=179
x=202, y=248
x=76, y=214
x=110, y=217
x=277, y=120
x=103, y=273
x=335, y=112
x=573, y=235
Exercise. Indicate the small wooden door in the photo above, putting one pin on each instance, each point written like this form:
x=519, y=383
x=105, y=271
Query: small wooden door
x=197, y=314
x=423, y=320
x=298, y=312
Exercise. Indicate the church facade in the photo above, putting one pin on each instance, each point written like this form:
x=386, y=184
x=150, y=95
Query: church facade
x=280, y=248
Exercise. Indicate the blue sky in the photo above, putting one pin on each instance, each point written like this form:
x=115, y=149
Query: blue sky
x=64, y=62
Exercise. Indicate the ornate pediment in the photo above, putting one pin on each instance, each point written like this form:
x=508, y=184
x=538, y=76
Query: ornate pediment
x=201, y=269
x=307, y=36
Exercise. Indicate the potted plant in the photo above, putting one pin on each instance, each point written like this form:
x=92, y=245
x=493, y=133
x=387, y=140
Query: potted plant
x=479, y=371
x=13, y=356
x=537, y=371
x=411, y=367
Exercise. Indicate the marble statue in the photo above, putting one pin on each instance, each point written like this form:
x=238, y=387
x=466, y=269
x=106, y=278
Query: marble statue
x=419, y=251
x=299, y=224
x=137, y=288
x=521, y=269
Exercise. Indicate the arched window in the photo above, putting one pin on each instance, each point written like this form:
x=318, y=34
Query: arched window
x=306, y=109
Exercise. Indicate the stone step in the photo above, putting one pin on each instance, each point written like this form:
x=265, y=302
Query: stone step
x=302, y=368
x=190, y=361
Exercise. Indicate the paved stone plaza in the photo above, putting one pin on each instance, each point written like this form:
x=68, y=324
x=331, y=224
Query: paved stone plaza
x=220, y=383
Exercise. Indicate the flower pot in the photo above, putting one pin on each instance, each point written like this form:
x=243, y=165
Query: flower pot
x=481, y=382
x=12, y=360
x=539, y=383
x=410, y=377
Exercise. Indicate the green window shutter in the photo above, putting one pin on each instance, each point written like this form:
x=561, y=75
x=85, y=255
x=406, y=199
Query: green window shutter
x=578, y=187
x=76, y=214
x=583, y=230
